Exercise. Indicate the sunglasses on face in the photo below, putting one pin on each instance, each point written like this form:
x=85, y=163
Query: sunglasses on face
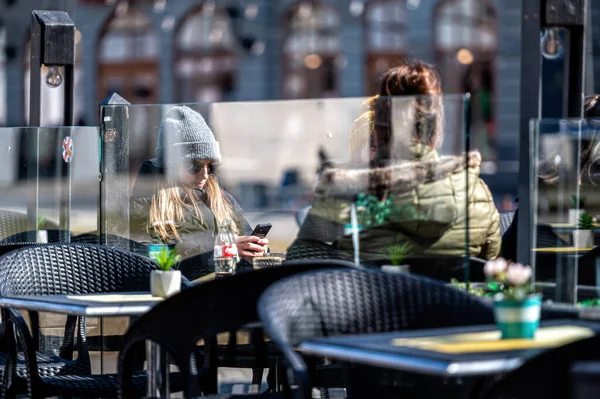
x=193, y=168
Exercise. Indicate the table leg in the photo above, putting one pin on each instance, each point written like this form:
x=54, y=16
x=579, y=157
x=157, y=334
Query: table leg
x=566, y=279
x=597, y=264
x=157, y=371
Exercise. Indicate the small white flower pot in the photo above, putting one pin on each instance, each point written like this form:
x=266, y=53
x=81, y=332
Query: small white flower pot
x=574, y=215
x=164, y=284
x=583, y=238
x=395, y=269
x=42, y=236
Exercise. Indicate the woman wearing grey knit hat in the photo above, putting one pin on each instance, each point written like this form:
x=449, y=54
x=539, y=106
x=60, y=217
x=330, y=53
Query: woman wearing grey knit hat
x=186, y=203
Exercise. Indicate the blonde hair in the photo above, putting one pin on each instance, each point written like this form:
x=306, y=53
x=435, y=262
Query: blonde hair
x=360, y=134
x=168, y=204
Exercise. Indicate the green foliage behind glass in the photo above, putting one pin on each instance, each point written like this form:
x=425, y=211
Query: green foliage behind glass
x=371, y=211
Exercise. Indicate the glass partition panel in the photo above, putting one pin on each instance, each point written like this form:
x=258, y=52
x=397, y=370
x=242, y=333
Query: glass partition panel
x=567, y=197
x=379, y=181
x=49, y=179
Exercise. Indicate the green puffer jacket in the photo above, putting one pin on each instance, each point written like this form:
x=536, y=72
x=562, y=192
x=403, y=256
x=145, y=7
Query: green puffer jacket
x=427, y=208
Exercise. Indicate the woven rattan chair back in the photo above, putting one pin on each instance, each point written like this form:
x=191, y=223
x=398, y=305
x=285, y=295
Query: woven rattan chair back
x=113, y=241
x=31, y=237
x=338, y=302
x=201, y=311
x=49, y=269
x=12, y=222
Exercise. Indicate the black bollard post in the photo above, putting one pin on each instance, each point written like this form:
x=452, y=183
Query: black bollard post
x=53, y=46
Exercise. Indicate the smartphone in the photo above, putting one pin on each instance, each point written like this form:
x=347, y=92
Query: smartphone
x=261, y=230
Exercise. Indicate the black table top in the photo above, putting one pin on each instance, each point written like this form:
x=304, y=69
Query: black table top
x=378, y=350
x=97, y=305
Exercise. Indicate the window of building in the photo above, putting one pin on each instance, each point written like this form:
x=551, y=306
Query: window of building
x=127, y=56
x=205, y=58
x=465, y=36
x=311, y=49
x=386, y=39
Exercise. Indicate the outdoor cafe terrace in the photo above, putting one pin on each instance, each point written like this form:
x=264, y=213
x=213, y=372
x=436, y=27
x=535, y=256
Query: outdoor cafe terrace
x=350, y=247
x=399, y=298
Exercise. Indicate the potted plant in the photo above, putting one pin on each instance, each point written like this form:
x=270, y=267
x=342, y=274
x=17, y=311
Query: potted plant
x=165, y=282
x=41, y=233
x=583, y=236
x=396, y=253
x=577, y=205
x=516, y=308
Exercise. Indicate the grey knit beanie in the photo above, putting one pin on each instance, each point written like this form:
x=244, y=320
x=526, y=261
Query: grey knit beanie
x=184, y=135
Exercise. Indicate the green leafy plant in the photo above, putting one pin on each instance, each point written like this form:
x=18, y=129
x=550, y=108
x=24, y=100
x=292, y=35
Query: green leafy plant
x=396, y=252
x=371, y=211
x=473, y=290
x=589, y=303
x=167, y=258
x=585, y=222
x=41, y=222
x=577, y=202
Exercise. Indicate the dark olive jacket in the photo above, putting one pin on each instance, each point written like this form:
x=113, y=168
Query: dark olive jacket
x=436, y=191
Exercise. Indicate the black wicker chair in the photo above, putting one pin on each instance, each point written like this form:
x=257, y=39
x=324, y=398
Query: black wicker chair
x=30, y=236
x=550, y=375
x=446, y=268
x=506, y=219
x=9, y=247
x=338, y=302
x=301, y=215
x=13, y=222
x=308, y=249
x=113, y=241
x=48, y=269
x=203, y=311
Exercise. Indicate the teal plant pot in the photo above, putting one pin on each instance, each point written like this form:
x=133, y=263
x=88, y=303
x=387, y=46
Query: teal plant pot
x=348, y=229
x=154, y=249
x=518, y=319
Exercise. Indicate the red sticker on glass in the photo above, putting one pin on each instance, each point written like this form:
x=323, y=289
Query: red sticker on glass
x=67, y=149
x=229, y=251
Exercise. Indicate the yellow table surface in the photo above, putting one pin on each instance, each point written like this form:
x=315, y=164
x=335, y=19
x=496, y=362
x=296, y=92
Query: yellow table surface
x=116, y=298
x=562, y=249
x=489, y=341
x=206, y=277
x=559, y=225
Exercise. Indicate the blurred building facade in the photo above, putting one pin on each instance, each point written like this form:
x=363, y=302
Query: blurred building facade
x=168, y=51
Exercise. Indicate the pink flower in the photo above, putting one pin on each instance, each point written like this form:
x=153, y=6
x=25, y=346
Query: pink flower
x=494, y=267
x=517, y=274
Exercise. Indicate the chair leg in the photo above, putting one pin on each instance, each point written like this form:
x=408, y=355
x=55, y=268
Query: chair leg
x=257, y=374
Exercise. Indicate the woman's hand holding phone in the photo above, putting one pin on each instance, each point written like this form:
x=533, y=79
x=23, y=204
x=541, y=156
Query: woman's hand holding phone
x=251, y=246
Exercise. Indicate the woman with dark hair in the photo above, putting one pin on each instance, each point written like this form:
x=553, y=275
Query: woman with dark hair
x=417, y=197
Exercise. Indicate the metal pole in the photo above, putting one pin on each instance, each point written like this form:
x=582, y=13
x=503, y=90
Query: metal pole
x=65, y=191
x=530, y=109
x=31, y=141
x=572, y=16
x=575, y=74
